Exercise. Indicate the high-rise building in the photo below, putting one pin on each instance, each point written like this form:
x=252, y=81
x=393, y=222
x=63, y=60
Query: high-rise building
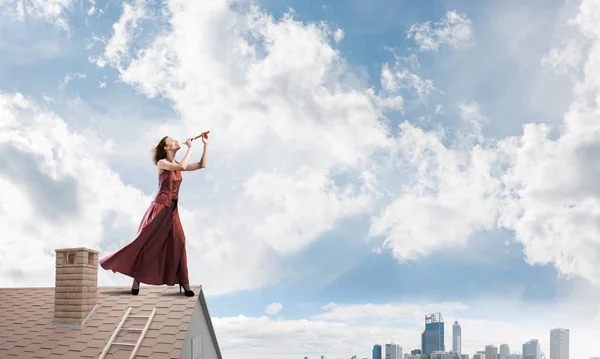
x=514, y=356
x=393, y=351
x=479, y=355
x=456, y=337
x=504, y=351
x=491, y=352
x=531, y=350
x=463, y=356
x=432, y=338
x=377, y=351
x=559, y=343
x=415, y=352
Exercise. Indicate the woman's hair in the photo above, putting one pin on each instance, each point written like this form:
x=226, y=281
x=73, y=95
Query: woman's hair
x=159, y=152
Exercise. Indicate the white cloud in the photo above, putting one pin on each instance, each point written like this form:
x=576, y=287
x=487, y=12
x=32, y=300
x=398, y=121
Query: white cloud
x=552, y=198
x=92, y=9
x=338, y=35
x=399, y=78
x=52, y=11
x=294, y=211
x=71, y=76
x=54, y=179
x=454, y=29
x=541, y=186
x=276, y=94
x=117, y=48
x=274, y=308
x=451, y=193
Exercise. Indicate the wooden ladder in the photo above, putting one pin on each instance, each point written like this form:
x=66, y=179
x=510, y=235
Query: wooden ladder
x=136, y=346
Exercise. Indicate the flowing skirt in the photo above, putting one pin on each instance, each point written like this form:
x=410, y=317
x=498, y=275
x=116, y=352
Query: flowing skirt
x=157, y=255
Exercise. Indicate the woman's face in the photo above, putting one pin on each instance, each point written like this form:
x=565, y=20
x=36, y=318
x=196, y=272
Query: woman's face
x=172, y=144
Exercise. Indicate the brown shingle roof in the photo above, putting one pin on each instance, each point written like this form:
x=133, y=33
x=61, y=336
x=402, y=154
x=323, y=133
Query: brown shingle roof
x=27, y=329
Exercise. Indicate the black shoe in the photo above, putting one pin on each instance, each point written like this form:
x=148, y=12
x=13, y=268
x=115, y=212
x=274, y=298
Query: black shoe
x=188, y=293
x=135, y=291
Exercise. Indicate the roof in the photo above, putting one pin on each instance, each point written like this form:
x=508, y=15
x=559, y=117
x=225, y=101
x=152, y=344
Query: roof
x=27, y=329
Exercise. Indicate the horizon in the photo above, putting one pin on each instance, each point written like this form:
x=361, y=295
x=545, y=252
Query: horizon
x=369, y=161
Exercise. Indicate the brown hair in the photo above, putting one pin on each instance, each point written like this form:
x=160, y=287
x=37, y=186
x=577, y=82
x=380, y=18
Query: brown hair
x=159, y=152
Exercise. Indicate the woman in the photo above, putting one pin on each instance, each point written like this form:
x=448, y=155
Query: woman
x=157, y=255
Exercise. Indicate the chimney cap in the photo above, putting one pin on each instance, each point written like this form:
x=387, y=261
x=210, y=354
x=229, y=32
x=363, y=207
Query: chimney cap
x=76, y=249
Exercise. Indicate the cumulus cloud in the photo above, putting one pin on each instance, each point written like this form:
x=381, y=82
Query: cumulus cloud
x=124, y=32
x=396, y=78
x=274, y=308
x=52, y=11
x=54, y=179
x=454, y=29
x=541, y=184
x=284, y=116
x=451, y=193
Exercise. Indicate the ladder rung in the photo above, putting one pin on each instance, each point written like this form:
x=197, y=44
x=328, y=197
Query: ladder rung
x=125, y=344
x=132, y=329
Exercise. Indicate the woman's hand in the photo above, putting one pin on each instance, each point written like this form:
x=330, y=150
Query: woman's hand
x=188, y=142
x=205, y=138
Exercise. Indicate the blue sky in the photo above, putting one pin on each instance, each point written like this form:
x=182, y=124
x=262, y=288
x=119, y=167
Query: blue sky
x=349, y=176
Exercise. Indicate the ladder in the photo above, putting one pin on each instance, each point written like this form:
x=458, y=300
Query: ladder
x=135, y=346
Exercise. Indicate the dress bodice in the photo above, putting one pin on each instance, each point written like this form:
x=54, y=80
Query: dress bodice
x=168, y=187
x=169, y=182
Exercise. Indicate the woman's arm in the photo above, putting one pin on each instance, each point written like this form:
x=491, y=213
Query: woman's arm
x=201, y=164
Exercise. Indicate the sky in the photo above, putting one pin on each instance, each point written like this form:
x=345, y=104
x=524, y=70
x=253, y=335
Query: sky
x=370, y=162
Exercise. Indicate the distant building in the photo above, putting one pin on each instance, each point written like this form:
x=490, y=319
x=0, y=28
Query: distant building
x=432, y=338
x=479, y=355
x=463, y=356
x=393, y=351
x=559, y=343
x=415, y=351
x=456, y=337
x=514, y=356
x=406, y=356
x=377, y=353
x=504, y=351
x=491, y=352
x=531, y=350
x=443, y=355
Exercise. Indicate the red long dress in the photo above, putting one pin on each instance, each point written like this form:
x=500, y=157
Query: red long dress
x=157, y=255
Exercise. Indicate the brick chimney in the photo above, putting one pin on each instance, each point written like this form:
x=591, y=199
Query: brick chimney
x=76, y=288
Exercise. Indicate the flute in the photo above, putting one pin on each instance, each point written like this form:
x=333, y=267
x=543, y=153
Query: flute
x=200, y=135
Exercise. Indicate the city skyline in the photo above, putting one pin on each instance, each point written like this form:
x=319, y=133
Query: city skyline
x=559, y=339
